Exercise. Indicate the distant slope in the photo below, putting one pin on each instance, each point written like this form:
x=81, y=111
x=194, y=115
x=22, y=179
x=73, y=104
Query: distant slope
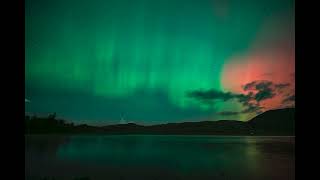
x=222, y=127
x=273, y=122
x=204, y=127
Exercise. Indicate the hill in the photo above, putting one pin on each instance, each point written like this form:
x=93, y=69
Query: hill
x=273, y=122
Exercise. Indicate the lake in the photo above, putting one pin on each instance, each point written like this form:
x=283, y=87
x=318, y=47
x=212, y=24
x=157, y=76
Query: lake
x=159, y=157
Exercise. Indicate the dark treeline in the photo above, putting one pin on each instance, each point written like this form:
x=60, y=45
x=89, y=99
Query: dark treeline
x=274, y=122
x=48, y=125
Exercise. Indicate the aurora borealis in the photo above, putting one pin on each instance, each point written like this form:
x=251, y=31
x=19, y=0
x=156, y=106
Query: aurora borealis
x=158, y=61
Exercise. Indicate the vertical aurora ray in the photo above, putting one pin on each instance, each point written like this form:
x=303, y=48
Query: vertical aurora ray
x=121, y=51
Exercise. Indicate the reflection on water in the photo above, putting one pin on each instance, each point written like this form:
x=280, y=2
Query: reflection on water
x=159, y=157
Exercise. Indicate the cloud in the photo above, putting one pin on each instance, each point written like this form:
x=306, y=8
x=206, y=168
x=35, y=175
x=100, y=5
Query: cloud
x=256, y=85
x=252, y=108
x=282, y=85
x=265, y=89
x=211, y=95
x=245, y=98
x=264, y=94
x=289, y=101
x=26, y=100
x=290, y=98
x=257, y=91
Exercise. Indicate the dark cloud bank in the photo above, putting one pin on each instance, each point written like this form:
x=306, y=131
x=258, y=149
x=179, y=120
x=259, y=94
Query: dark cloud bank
x=257, y=91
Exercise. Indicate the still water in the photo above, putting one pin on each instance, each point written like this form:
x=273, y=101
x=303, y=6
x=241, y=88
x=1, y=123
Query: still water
x=159, y=157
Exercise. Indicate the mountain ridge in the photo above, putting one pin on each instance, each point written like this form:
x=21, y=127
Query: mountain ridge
x=272, y=122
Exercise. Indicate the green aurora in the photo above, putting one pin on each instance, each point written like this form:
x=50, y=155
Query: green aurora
x=102, y=60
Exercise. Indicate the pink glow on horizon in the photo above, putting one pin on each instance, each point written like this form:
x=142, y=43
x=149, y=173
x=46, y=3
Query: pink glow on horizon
x=277, y=67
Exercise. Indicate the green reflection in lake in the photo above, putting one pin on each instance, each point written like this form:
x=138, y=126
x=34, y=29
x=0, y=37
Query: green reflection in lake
x=162, y=157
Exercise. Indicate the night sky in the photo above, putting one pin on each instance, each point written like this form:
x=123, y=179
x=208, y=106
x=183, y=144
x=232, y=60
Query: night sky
x=158, y=61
